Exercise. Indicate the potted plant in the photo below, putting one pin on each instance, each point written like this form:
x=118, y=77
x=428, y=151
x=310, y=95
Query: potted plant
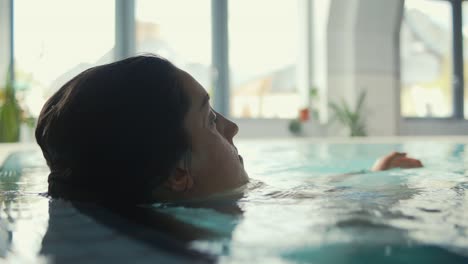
x=353, y=119
x=295, y=125
x=10, y=113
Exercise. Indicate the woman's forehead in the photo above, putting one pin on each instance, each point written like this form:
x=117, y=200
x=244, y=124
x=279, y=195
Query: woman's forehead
x=196, y=94
x=194, y=90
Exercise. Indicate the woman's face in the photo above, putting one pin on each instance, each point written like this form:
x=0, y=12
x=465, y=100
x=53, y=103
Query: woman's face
x=215, y=164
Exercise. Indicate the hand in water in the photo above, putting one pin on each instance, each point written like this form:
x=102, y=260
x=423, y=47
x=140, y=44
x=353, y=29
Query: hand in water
x=396, y=160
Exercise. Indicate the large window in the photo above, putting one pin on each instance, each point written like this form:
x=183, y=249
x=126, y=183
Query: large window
x=426, y=59
x=55, y=40
x=262, y=52
x=178, y=30
x=433, y=59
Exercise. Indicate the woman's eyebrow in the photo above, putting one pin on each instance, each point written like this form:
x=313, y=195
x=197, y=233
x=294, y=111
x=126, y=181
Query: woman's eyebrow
x=205, y=101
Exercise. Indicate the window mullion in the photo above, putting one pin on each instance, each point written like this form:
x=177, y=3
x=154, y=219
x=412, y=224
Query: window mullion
x=11, y=69
x=220, y=56
x=124, y=29
x=458, y=82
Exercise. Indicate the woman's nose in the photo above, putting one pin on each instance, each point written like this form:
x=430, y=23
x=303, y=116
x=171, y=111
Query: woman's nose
x=232, y=129
x=228, y=128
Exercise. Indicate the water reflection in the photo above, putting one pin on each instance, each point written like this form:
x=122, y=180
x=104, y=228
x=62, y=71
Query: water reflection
x=22, y=218
x=122, y=234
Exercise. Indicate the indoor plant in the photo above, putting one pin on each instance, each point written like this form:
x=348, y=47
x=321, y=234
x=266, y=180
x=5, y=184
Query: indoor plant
x=353, y=119
x=10, y=112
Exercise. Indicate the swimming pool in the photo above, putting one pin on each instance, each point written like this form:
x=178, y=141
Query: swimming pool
x=294, y=212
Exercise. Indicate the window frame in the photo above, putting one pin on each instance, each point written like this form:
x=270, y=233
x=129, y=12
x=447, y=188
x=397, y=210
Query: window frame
x=124, y=29
x=11, y=32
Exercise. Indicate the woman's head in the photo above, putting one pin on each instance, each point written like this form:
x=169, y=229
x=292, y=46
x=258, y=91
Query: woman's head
x=213, y=163
x=122, y=132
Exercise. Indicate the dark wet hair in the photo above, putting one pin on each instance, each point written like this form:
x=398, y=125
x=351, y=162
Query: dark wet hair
x=115, y=132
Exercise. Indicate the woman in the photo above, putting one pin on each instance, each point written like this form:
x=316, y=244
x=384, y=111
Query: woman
x=141, y=130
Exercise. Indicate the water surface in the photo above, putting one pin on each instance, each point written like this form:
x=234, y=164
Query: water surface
x=296, y=213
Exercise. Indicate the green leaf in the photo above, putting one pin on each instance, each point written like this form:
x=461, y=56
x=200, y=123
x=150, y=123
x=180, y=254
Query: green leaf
x=353, y=120
x=362, y=97
x=338, y=112
x=313, y=92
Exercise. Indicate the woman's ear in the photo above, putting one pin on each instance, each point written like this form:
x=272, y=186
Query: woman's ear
x=180, y=181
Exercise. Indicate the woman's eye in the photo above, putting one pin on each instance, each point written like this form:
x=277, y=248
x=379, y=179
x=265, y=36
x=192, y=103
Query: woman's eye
x=213, y=119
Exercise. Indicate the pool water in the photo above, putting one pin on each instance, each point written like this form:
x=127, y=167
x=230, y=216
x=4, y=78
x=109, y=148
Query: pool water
x=295, y=211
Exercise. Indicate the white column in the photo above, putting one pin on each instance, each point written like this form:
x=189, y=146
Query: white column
x=363, y=54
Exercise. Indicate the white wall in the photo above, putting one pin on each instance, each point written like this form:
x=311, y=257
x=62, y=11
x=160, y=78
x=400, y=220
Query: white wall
x=433, y=127
x=275, y=128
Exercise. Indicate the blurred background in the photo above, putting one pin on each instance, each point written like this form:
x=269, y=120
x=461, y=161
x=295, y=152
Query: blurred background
x=311, y=68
